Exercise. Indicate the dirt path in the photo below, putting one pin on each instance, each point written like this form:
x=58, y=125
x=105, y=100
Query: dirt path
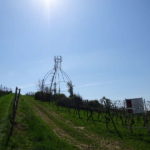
x=81, y=137
x=57, y=130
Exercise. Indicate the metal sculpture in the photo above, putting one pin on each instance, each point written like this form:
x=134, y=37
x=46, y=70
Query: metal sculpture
x=56, y=77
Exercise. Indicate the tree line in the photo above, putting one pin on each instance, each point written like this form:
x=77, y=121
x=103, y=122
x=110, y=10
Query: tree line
x=4, y=90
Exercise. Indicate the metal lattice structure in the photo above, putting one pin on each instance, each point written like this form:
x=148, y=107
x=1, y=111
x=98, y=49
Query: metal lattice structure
x=56, y=79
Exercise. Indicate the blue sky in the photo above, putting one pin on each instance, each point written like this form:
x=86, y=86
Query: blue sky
x=105, y=45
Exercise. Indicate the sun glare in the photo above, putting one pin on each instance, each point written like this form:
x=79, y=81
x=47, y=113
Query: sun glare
x=47, y=3
x=48, y=8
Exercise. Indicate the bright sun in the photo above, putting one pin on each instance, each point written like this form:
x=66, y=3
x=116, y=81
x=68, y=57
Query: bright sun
x=47, y=7
x=48, y=3
x=45, y=3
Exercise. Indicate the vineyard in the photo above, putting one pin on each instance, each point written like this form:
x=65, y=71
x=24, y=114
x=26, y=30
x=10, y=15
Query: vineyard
x=76, y=124
x=74, y=75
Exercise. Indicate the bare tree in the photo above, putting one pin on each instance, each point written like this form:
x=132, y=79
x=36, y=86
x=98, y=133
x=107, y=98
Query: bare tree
x=41, y=85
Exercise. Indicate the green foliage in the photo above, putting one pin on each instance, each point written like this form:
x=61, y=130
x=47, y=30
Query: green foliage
x=70, y=88
x=43, y=96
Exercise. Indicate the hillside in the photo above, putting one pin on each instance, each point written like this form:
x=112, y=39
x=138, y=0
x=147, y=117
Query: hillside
x=45, y=126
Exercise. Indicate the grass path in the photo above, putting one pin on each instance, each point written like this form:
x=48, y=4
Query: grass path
x=56, y=129
x=75, y=135
x=44, y=126
x=32, y=133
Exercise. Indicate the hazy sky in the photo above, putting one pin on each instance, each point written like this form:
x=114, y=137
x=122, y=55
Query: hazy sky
x=105, y=44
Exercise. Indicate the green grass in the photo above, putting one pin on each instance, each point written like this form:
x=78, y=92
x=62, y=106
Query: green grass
x=31, y=133
x=5, y=103
x=34, y=132
x=65, y=116
x=68, y=129
x=140, y=140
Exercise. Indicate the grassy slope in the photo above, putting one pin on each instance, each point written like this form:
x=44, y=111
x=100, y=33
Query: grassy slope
x=70, y=123
x=31, y=133
x=74, y=130
x=5, y=103
x=42, y=126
